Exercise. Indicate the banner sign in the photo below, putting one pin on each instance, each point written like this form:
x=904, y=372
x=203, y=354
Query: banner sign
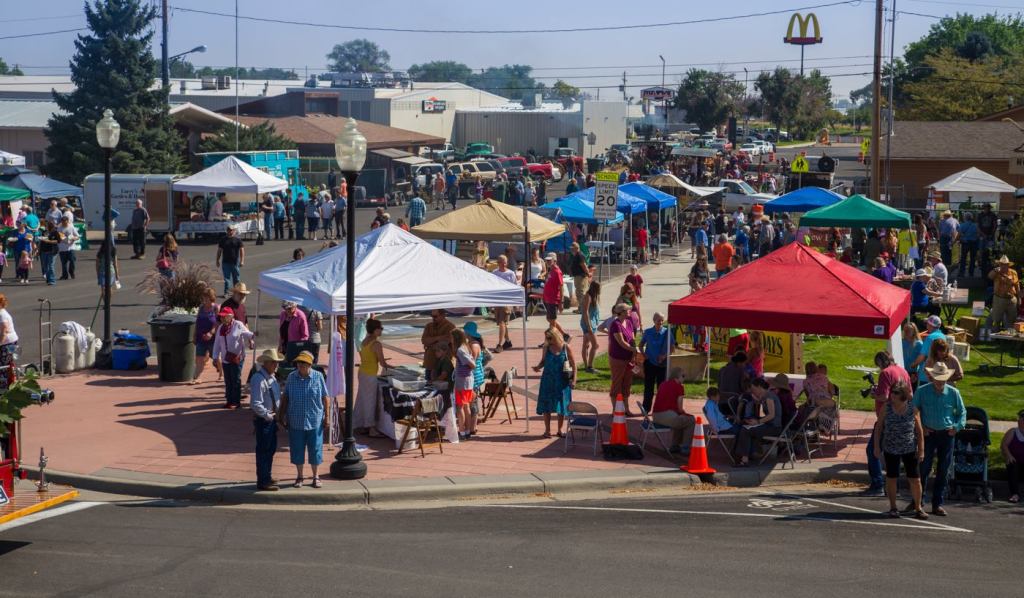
x=778, y=354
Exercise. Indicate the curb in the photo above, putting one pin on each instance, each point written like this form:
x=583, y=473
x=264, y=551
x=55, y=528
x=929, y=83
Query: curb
x=461, y=488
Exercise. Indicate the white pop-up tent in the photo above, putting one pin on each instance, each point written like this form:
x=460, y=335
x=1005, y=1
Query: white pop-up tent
x=231, y=175
x=974, y=184
x=9, y=159
x=395, y=271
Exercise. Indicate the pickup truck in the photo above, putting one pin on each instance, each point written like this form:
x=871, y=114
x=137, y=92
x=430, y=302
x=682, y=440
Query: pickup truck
x=514, y=166
x=563, y=155
x=738, y=193
x=475, y=149
x=444, y=154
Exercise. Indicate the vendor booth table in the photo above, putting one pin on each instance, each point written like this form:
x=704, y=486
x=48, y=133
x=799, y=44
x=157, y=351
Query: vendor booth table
x=251, y=227
x=957, y=299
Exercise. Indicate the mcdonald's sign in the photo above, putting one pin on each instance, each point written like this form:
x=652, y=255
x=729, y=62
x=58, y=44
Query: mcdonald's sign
x=803, y=39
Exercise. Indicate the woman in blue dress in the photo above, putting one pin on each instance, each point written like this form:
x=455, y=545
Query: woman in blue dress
x=556, y=381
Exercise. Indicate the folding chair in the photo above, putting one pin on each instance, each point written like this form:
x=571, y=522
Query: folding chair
x=582, y=416
x=423, y=419
x=494, y=394
x=648, y=427
x=712, y=430
x=786, y=439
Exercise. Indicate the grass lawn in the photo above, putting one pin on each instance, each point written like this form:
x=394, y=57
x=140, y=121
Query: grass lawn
x=995, y=389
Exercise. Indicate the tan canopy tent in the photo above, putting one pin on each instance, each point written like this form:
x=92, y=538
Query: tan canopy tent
x=666, y=181
x=488, y=220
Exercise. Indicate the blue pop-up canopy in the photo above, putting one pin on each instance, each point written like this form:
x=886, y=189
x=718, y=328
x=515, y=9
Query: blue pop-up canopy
x=43, y=187
x=803, y=200
x=575, y=209
x=627, y=204
x=655, y=198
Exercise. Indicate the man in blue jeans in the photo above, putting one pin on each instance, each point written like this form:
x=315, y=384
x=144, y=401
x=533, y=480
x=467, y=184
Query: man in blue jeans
x=890, y=374
x=231, y=258
x=942, y=415
x=265, y=402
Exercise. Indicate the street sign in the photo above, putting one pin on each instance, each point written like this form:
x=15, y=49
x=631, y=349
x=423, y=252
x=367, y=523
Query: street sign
x=865, y=146
x=3, y=496
x=799, y=165
x=1016, y=163
x=606, y=195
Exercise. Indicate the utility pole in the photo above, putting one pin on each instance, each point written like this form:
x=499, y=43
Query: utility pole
x=625, y=96
x=664, y=100
x=892, y=114
x=237, y=124
x=165, y=71
x=876, y=108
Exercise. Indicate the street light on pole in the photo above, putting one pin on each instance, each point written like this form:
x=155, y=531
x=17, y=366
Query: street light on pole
x=196, y=50
x=167, y=62
x=108, y=133
x=350, y=153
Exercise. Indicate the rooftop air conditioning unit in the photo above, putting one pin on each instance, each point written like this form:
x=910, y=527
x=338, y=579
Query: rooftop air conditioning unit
x=223, y=82
x=209, y=83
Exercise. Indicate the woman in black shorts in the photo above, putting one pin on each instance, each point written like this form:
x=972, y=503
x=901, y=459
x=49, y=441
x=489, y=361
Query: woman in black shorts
x=900, y=437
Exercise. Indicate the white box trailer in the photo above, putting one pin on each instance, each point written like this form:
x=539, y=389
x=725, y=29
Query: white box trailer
x=166, y=207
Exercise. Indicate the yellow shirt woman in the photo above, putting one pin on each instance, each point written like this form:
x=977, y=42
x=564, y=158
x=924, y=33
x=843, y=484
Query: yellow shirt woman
x=368, y=363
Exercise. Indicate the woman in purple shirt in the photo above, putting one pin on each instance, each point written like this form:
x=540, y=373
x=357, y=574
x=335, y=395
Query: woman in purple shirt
x=206, y=322
x=622, y=352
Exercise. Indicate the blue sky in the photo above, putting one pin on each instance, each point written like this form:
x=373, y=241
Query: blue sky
x=754, y=43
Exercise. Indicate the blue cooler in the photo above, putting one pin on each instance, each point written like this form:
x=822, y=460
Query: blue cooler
x=129, y=351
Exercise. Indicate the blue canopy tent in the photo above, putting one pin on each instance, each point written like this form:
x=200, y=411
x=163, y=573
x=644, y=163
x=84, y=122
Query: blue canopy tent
x=628, y=204
x=576, y=209
x=802, y=200
x=656, y=200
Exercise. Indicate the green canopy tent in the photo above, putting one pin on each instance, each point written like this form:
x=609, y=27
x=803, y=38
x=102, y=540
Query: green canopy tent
x=13, y=193
x=856, y=211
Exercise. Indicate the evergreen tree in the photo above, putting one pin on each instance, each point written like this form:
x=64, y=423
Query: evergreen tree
x=114, y=68
x=263, y=136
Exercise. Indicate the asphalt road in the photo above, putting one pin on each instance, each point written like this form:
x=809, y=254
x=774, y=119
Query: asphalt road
x=735, y=544
x=79, y=299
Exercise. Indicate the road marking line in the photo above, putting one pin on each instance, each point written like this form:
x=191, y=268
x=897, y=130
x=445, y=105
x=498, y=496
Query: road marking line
x=866, y=510
x=732, y=514
x=54, y=512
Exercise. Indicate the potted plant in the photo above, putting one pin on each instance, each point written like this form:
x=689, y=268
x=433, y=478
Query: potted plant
x=12, y=401
x=172, y=323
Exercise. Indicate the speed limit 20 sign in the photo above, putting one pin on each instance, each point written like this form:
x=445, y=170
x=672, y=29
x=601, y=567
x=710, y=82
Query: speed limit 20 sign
x=606, y=195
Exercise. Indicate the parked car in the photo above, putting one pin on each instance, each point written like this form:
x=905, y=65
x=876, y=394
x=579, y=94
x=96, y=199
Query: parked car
x=564, y=155
x=419, y=171
x=721, y=144
x=514, y=165
x=739, y=193
x=475, y=149
x=443, y=154
x=751, y=149
x=766, y=146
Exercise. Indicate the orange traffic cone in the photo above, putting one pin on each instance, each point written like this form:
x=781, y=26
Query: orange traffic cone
x=698, y=452
x=620, y=435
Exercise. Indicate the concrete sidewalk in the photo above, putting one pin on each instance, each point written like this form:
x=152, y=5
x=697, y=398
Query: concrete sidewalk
x=126, y=432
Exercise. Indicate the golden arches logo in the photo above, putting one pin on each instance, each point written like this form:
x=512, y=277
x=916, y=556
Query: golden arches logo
x=802, y=22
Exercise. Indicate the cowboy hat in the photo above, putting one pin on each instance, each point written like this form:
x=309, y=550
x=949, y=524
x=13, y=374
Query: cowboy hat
x=922, y=272
x=940, y=372
x=1004, y=261
x=304, y=357
x=240, y=288
x=934, y=255
x=270, y=355
x=550, y=256
x=781, y=381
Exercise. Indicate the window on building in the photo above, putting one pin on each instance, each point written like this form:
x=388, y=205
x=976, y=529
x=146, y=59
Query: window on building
x=320, y=106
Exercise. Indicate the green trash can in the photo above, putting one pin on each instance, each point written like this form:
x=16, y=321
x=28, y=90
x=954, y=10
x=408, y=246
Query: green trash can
x=174, y=337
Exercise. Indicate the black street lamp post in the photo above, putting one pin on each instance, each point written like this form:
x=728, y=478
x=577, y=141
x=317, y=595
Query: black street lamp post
x=350, y=152
x=108, y=133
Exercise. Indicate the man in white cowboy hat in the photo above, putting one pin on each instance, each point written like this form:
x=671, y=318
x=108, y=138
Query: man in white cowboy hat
x=265, y=401
x=237, y=302
x=1005, y=294
x=949, y=231
x=942, y=415
x=939, y=271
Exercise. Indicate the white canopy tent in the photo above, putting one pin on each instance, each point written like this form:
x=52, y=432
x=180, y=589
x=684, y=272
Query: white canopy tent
x=395, y=271
x=9, y=159
x=231, y=175
x=974, y=184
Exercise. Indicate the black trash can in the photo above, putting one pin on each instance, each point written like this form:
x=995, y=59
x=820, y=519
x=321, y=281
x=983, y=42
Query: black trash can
x=175, y=347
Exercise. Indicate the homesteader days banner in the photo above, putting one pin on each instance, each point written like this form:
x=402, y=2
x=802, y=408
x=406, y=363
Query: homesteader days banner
x=778, y=353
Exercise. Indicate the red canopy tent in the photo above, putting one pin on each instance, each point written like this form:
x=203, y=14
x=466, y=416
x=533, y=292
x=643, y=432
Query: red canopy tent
x=797, y=289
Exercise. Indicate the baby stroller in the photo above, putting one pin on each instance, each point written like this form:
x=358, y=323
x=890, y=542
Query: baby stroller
x=970, y=457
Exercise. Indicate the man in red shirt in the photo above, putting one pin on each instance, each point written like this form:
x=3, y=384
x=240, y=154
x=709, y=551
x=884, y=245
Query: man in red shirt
x=668, y=411
x=890, y=373
x=553, y=292
x=641, y=243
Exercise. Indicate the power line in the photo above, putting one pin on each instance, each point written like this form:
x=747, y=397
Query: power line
x=42, y=33
x=278, y=21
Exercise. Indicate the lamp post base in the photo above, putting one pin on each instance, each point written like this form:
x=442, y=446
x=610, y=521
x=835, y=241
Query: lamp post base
x=104, y=357
x=348, y=463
